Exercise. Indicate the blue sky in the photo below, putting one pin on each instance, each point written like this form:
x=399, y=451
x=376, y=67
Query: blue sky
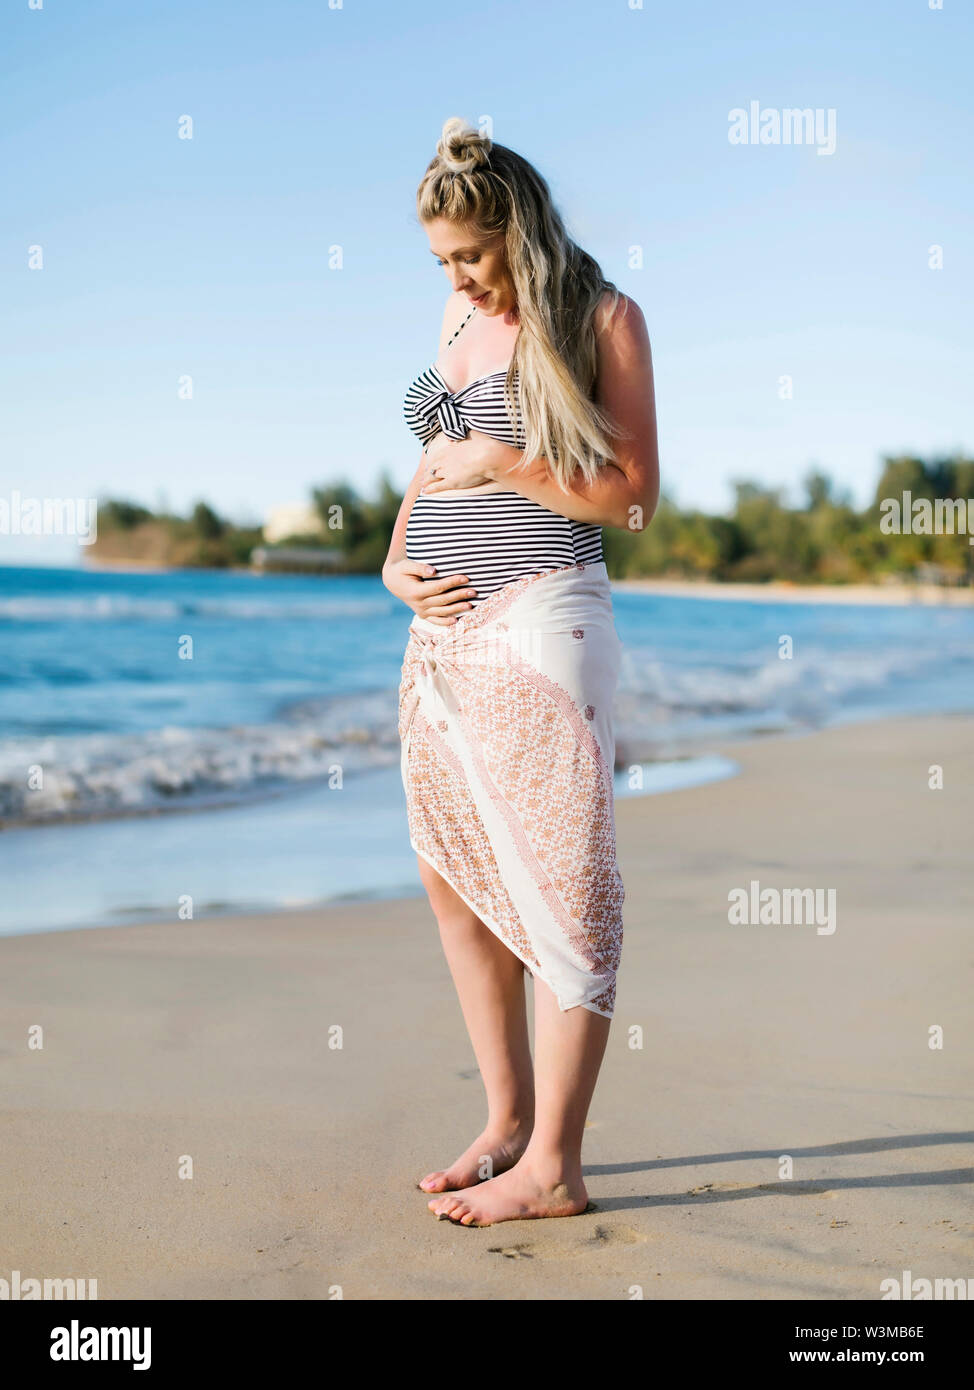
x=312, y=127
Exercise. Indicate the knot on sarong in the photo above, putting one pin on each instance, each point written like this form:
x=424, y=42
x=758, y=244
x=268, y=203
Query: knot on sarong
x=440, y=410
x=433, y=650
x=438, y=657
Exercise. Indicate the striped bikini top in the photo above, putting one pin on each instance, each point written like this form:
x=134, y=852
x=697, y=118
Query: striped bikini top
x=431, y=407
x=496, y=537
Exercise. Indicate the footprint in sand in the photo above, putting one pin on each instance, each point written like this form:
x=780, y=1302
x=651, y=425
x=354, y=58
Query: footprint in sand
x=800, y=1189
x=790, y=1189
x=604, y=1236
x=717, y=1187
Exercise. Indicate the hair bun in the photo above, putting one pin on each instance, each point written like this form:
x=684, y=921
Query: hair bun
x=461, y=148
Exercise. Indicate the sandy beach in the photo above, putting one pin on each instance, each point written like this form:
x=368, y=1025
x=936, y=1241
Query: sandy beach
x=778, y=591
x=212, y=1039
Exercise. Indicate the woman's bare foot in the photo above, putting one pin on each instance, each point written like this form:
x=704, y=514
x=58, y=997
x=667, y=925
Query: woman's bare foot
x=523, y=1193
x=504, y=1148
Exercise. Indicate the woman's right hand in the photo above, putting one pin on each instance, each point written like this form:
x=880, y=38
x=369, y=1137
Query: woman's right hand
x=437, y=600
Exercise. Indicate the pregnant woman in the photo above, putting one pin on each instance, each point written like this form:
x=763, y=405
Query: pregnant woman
x=539, y=428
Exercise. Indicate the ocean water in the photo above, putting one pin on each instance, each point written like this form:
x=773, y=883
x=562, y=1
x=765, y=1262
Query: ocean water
x=230, y=699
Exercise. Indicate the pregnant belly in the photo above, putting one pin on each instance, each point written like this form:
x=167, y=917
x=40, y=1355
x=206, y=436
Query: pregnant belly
x=495, y=538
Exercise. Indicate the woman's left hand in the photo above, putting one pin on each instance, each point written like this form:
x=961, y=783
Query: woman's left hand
x=454, y=464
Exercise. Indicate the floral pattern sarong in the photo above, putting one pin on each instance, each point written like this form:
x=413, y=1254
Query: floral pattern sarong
x=507, y=759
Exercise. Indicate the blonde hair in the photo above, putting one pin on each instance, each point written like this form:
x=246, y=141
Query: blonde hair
x=557, y=286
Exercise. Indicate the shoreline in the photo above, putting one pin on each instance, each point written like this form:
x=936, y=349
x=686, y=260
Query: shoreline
x=260, y=798
x=781, y=591
x=293, y=870
x=720, y=748
x=307, y=804
x=216, y=1039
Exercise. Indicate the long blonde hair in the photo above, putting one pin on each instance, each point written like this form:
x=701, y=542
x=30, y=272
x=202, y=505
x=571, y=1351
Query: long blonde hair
x=557, y=286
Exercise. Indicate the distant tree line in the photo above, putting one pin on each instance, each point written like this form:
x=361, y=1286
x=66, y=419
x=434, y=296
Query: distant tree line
x=822, y=540
x=202, y=540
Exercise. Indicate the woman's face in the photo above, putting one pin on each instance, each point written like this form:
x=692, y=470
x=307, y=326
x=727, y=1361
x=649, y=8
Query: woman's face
x=475, y=267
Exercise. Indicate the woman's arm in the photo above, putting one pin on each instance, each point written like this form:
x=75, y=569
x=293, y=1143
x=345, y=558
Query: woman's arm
x=397, y=545
x=626, y=491
x=415, y=583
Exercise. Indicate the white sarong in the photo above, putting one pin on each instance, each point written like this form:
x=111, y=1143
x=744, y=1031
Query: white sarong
x=507, y=761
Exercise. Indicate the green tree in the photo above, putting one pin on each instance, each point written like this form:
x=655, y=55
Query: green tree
x=818, y=489
x=206, y=523
x=123, y=516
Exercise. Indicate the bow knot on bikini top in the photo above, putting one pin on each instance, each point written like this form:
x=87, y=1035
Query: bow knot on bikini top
x=441, y=411
x=431, y=407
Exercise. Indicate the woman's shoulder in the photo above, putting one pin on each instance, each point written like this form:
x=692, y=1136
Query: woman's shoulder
x=622, y=340
x=616, y=313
